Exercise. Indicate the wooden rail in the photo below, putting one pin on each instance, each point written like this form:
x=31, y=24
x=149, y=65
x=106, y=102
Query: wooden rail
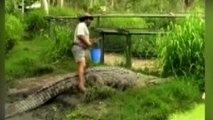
x=126, y=15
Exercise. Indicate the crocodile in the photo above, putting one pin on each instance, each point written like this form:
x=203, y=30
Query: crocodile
x=116, y=77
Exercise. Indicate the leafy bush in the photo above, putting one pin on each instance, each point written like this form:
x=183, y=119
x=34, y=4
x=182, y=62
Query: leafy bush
x=181, y=50
x=14, y=30
x=35, y=21
x=8, y=6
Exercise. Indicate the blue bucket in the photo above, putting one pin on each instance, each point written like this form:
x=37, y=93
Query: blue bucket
x=95, y=55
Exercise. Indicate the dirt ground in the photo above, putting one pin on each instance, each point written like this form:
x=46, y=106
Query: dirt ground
x=116, y=59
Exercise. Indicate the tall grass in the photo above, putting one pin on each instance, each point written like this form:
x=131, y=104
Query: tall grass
x=35, y=21
x=181, y=50
x=60, y=46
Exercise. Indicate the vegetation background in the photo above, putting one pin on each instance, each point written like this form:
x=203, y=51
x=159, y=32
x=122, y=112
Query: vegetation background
x=34, y=47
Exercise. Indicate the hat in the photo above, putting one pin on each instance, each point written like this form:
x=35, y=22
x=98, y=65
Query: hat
x=86, y=16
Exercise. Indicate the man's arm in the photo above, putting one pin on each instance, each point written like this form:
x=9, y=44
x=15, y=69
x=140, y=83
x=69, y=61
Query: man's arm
x=84, y=40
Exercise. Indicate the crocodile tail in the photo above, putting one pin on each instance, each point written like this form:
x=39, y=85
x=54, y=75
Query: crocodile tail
x=39, y=97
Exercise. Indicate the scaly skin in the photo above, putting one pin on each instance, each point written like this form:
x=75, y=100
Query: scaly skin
x=111, y=76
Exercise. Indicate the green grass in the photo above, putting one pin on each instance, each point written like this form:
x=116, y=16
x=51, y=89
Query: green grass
x=25, y=54
x=29, y=58
x=197, y=113
x=32, y=57
x=153, y=103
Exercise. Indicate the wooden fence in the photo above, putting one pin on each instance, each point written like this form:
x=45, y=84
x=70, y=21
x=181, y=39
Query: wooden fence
x=126, y=32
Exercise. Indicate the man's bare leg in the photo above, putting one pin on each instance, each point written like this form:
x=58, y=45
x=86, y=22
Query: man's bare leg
x=86, y=61
x=81, y=68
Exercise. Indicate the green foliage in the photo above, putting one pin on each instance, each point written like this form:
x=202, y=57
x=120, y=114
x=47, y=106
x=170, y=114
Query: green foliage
x=153, y=103
x=11, y=7
x=197, y=112
x=30, y=59
x=80, y=5
x=26, y=59
x=147, y=6
x=158, y=23
x=63, y=11
x=61, y=33
x=163, y=100
x=27, y=67
x=61, y=47
x=8, y=6
x=14, y=31
x=135, y=6
x=35, y=21
x=13, y=27
x=181, y=50
x=98, y=93
x=123, y=23
x=144, y=46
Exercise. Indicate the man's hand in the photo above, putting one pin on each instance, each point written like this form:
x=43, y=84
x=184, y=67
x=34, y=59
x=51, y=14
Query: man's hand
x=84, y=40
x=95, y=40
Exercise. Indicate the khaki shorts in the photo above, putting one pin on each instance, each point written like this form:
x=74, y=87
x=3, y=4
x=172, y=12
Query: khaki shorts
x=79, y=53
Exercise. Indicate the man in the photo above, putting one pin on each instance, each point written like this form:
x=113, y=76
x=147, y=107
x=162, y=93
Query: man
x=80, y=45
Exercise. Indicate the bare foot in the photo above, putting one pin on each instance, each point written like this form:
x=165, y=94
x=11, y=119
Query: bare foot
x=82, y=87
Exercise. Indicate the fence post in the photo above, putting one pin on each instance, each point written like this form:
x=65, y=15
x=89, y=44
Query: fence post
x=128, y=51
x=102, y=47
x=49, y=26
x=98, y=22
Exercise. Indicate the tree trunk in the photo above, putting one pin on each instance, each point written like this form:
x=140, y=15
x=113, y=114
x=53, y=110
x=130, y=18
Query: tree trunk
x=15, y=4
x=188, y=4
x=22, y=4
x=53, y=3
x=112, y=4
x=60, y=3
x=91, y=3
x=49, y=2
x=44, y=5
